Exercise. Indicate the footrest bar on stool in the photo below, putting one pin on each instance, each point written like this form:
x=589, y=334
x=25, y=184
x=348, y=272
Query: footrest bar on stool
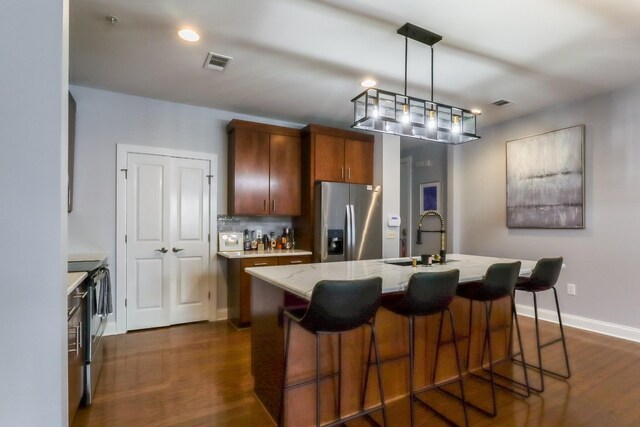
x=468, y=403
x=364, y=413
x=546, y=371
x=504, y=387
x=436, y=412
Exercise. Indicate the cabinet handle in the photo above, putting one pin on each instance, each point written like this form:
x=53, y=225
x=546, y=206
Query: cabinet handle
x=80, y=296
x=264, y=205
x=273, y=203
x=258, y=264
x=349, y=173
x=73, y=310
x=76, y=346
x=296, y=262
x=341, y=171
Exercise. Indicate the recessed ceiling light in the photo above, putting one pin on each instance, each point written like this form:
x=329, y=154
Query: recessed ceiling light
x=476, y=111
x=368, y=83
x=188, y=35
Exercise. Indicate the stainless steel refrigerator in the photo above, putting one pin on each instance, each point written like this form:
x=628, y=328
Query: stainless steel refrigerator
x=348, y=221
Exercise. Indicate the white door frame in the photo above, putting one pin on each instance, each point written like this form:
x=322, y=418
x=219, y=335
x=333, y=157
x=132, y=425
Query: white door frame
x=122, y=151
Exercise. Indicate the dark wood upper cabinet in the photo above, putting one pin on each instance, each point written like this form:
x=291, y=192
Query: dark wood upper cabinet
x=264, y=169
x=341, y=155
x=358, y=161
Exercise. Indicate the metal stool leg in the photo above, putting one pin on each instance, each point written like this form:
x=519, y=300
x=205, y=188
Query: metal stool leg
x=461, y=382
x=339, y=403
x=382, y=402
x=564, y=343
x=318, y=380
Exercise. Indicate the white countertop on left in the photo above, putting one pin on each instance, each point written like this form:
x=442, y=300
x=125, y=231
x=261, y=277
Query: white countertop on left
x=300, y=279
x=92, y=256
x=74, y=279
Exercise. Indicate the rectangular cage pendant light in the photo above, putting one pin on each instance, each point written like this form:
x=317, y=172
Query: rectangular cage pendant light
x=389, y=112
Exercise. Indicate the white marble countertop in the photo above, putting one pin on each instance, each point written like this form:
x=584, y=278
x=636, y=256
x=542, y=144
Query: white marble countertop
x=256, y=254
x=73, y=280
x=300, y=279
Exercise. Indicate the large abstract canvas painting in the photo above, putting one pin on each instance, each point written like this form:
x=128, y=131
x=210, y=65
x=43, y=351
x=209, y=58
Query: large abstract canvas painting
x=545, y=180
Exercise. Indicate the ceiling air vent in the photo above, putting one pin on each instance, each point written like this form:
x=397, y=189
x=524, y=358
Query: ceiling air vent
x=217, y=62
x=502, y=102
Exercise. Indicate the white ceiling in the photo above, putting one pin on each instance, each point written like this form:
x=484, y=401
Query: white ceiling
x=302, y=60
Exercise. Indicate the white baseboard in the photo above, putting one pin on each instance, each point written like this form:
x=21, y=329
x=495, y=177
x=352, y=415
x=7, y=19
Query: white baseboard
x=222, y=314
x=592, y=325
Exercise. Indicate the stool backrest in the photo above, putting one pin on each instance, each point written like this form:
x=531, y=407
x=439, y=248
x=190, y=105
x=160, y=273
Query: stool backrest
x=500, y=280
x=428, y=293
x=546, y=273
x=341, y=305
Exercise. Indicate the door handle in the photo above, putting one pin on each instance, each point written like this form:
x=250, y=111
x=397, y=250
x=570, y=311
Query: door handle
x=176, y=250
x=163, y=250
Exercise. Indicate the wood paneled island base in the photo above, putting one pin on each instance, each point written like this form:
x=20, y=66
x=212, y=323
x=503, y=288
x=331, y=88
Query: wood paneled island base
x=267, y=353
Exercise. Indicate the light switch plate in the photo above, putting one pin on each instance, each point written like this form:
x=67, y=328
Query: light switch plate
x=392, y=234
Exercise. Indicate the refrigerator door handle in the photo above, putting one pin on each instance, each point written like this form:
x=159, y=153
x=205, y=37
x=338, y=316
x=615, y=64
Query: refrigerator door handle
x=349, y=230
x=352, y=234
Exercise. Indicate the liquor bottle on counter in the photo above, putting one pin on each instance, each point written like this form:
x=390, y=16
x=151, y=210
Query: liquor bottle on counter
x=292, y=240
x=254, y=241
x=286, y=241
x=273, y=240
x=265, y=242
x=247, y=242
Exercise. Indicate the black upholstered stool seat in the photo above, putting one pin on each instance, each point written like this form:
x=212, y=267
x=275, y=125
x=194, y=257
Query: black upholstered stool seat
x=543, y=278
x=498, y=282
x=338, y=306
x=428, y=294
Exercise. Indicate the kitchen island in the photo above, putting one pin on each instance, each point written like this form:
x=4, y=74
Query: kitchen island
x=276, y=288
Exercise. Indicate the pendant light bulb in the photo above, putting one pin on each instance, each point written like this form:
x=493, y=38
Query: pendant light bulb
x=405, y=113
x=455, y=126
x=431, y=121
x=374, y=108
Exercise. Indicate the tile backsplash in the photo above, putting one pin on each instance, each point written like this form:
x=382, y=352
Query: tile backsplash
x=266, y=224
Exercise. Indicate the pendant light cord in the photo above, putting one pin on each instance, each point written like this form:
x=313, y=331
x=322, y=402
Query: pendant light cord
x=406, y=47
x=431, y=74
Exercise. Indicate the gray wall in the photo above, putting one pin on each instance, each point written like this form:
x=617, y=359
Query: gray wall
x=601, y=259
x=106, y=118
x=420, y=154
x=34, y=48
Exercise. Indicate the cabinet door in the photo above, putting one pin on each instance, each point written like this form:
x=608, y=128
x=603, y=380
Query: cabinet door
x=244, y=291
x=329, y=158
x=284, y=175
x=358, y=161
x=249, y=161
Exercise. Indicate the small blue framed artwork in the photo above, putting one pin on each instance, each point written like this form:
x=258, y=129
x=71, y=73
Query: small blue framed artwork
x=430, y=197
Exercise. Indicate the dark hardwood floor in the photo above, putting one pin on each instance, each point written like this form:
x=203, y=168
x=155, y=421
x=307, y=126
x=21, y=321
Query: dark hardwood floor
x=199, y=375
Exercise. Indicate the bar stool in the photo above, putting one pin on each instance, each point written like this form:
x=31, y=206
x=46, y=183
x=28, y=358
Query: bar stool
x=338, y=306
x=498, y=282
x=544, y=277
x=428, y=294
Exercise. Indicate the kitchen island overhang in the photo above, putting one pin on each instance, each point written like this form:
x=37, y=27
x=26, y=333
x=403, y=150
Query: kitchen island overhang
x=274, y=288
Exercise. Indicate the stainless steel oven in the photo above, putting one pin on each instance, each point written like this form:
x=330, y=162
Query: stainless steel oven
x=98, y=308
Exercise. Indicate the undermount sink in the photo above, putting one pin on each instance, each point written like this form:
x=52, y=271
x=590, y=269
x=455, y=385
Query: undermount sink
x=405, y=263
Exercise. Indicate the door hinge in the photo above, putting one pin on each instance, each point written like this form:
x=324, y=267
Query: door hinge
x=209, y=296
x=125, y=238
x=209, y=177
x=209, y=237
x=125, y=302
x=126, y=172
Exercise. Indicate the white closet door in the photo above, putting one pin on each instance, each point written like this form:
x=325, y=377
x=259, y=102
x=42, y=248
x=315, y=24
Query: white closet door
x=189, y=240
x=148, y=241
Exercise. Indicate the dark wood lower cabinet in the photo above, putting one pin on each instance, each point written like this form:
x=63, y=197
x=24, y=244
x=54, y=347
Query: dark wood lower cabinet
x=239, y=283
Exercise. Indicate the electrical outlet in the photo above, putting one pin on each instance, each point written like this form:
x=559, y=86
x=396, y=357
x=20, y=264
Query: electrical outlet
x=571, y=288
